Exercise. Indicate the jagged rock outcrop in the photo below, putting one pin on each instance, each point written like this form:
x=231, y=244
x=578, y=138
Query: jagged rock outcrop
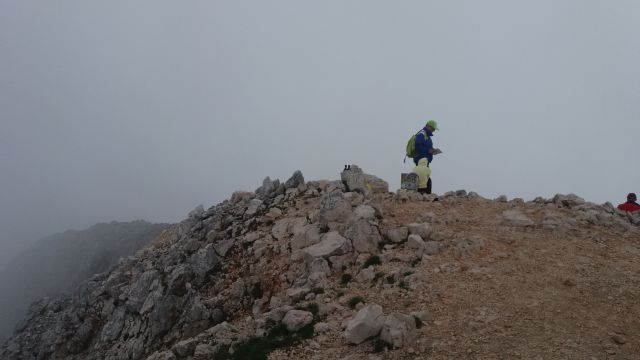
x=62, y=262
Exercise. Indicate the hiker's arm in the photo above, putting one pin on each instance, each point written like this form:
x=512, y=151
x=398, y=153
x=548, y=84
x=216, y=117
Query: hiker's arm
x=420, y=138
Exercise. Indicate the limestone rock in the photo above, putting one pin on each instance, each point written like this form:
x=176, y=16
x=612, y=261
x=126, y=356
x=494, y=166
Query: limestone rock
x=415, y=242
x=295, y=320
x=304, y=236
x=270, y=189
x=366, y=275
x=253, y=207
x=364, y=212
x=398, y=235
x=356, y=180
x=424, y=230
x=399, y=330
x=366, y=324
x=569, y=200
x=295, y=180
x=515, y=218
x=364, y=236
x=204, y=261
x=334, y=208
x=331, y=244
x=166, y=355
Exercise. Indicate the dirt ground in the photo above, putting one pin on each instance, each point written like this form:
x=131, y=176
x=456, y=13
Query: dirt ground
x=512, y=294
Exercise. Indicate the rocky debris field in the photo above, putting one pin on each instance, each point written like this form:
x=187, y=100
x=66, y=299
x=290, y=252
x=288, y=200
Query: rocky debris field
x=347, y=270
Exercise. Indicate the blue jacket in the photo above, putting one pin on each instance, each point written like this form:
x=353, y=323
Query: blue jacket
x=423, y=145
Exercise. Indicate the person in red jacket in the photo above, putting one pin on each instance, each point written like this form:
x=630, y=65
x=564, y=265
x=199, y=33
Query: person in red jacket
x=631, y=205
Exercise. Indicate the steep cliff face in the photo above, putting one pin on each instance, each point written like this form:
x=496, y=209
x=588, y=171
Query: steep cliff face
x=62, y=262
x=310, y=269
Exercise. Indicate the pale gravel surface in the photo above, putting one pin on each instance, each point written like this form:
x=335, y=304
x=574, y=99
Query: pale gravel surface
x=521, y=294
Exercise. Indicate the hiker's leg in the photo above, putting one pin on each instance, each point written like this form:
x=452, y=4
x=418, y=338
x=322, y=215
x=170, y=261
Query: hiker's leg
x=429, y=186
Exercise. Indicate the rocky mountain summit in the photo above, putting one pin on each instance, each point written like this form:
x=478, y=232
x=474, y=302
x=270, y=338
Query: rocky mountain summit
x=347, y=270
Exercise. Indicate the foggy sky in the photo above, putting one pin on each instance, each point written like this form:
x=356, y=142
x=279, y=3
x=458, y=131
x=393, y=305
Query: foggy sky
x=120, y=110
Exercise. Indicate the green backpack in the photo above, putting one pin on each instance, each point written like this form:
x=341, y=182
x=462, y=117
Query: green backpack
x=411, y=147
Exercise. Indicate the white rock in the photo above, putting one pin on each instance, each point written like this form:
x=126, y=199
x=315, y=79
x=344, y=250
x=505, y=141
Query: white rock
x=366, y=324
x=399, y=330
x=516, y=218
x=295, y=320
x=424, y=230
x=366, y=275
x=415, y=242
x=331, y=244
x=364, y=236
x=365, y=212
x=398, y=235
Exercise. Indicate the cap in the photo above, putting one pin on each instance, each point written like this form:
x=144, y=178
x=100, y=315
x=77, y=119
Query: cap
x=433, y=124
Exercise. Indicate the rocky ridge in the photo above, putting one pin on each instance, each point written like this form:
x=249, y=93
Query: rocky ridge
x=344, y=269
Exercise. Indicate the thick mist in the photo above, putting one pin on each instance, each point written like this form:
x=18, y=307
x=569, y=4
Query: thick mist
x=142, y=110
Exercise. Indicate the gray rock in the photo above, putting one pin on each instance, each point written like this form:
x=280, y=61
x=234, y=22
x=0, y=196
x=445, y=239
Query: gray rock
x=165, y=355
x=295, y=320
x=399, y=330
x=295, y=180
x=502, y=199
x=424, y=230
x=184, y=348
x=273, y=214
x=331, y=244
x=196, y=319
x=112, y=329
x=270, y=189
x=297, y=294
x=289, y=226
x=431, y=247
x=140, y=289
x=366, y=324
x=240, y=196
x=356, y=180
x=252, y=209
x=209, y=352
x=197, y=212
x=334, y=208
x=515, y=218
x=223, y=246
x=398, y=235
x=319, y=265
x=162, y=317
x=415, y=242
x=364, y=236
x=204, y=261
x=570, y=200
x=83, y=335
x=461, y=193
x=366, y=275
x=305, y=236
x=277, y=314
x=365, y=212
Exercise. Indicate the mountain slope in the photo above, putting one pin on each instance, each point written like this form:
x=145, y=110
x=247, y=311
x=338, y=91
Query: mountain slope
x=308, y=270
x=61, y=262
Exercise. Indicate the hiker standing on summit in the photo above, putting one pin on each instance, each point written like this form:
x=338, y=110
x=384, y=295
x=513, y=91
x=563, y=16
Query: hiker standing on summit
x=424, y=146
x=631, y=205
